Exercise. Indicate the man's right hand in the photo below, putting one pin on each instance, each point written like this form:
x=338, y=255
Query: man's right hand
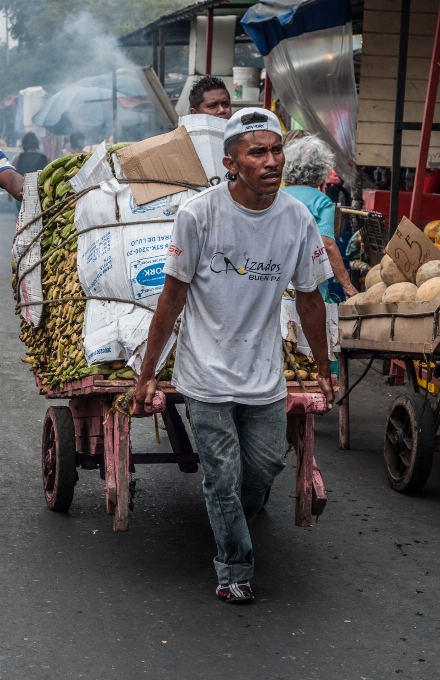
x=145, y=391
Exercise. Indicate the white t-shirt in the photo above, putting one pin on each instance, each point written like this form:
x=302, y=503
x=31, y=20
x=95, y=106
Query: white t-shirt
x=239, y=262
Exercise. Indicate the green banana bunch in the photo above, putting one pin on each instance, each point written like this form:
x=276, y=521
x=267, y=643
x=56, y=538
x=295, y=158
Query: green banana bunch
x=116, y=147
x=57, y=163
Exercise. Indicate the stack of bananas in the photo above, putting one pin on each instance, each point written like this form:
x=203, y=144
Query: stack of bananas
x=289, y=293
x=55, y=350
x=305, y=365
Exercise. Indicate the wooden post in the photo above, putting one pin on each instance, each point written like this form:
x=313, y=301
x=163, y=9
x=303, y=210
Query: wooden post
x=155, y=54
x=344, y=408
x=398, y=113
x=300, y=432
x=319, y=497
x=109, y=462
x=122, y=470
x=114, y=99
x=428, y=118
x=267, y=92
x=161, y=60
x=209, y=39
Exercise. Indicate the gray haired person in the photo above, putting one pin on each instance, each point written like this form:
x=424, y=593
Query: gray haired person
x=308, y=164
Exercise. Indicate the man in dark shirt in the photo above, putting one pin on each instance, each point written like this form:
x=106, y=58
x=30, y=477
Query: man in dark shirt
x=30, y=159
x=209, y=95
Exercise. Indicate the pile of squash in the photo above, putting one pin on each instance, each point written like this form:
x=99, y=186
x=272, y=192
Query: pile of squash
x=387, y=283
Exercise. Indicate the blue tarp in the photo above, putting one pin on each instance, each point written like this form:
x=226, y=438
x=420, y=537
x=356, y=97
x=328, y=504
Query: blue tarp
x=268, y=23
x=307, y=47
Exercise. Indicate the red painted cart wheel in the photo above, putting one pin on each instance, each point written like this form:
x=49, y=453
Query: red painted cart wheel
x=409, y=443
x=59, y=458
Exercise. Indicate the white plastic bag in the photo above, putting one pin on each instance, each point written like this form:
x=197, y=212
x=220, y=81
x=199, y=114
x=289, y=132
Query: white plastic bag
x=30, y=287
x=126, y=262
x=289, y=313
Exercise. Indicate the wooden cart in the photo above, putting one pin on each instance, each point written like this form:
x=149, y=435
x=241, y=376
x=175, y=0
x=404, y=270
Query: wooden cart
x=413, y=419
x=90, y=433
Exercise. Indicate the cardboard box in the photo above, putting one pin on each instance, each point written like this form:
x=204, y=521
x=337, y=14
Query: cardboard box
x=407, y=322
x=409, y=248
x=170, y=156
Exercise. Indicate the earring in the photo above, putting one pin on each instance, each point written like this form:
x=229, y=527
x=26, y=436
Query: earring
x=229, y=176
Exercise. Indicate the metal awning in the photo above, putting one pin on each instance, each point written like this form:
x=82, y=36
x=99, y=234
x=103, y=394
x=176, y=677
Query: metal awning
x=174, y=29
x=175, y=26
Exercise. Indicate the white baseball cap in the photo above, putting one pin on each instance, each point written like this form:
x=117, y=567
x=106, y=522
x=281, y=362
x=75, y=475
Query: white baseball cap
x=252, y=119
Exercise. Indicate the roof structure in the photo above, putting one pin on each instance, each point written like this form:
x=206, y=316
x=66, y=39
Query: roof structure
x=175, y=26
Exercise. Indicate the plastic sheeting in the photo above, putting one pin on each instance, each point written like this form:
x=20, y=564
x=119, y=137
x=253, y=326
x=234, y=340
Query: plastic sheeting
x=308, y=53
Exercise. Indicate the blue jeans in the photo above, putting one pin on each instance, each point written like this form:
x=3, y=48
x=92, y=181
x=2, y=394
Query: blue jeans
x=241, y=449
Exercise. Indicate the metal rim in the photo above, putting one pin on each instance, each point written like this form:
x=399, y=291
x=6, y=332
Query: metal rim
x=399, y=442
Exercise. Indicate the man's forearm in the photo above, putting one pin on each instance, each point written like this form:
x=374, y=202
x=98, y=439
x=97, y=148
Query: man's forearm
x=311, y=310
x=161, y=328
x=170, y=304
x=12, y=182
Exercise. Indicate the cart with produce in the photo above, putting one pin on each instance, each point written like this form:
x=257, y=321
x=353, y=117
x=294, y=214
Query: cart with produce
x=93, y=431
x=397, y=318
x=85, y=319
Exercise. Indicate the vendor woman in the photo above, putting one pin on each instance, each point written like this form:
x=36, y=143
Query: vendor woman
x=309, y=162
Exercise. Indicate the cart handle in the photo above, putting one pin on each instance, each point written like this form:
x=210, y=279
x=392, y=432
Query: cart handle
x=352, y=211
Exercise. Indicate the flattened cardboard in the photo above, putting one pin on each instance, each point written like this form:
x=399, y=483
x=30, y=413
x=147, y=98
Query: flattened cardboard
x=377, y=308
x=376, y=328
x=417, y=328
x=346, y=310
x=362, y=310
x=414, y=329
x=170, y=156
x=347, y=328
x=410, y=248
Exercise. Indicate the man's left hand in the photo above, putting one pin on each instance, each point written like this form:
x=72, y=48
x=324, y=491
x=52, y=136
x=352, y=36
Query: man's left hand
x=350, y=291
x=326, y=386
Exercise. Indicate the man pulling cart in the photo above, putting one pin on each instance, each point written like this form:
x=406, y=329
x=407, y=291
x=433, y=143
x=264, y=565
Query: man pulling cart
x=235, y=248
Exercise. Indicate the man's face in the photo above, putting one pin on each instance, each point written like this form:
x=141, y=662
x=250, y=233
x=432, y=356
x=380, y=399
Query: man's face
x=215, y=103
x=259, y=161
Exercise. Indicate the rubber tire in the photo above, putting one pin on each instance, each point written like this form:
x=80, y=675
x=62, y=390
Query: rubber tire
x=60, y=496
x=422, y=423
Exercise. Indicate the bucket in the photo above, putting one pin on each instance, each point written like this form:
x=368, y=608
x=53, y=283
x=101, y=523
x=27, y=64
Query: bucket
x=245, y=77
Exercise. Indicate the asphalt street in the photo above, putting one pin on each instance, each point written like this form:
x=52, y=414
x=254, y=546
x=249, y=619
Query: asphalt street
x=356, y=597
